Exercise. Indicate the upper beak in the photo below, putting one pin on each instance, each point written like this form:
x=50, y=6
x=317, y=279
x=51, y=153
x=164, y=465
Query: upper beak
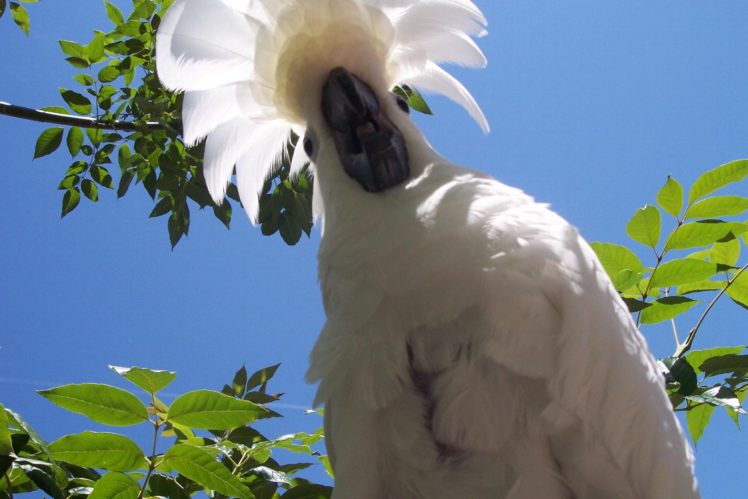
x=371, y=148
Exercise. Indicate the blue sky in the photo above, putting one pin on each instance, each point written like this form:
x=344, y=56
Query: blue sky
x=591, y=105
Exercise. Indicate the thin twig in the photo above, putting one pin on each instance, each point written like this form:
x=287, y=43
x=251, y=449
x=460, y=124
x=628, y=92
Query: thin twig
x=28, y=113
x=686, y=346
x=152, y=460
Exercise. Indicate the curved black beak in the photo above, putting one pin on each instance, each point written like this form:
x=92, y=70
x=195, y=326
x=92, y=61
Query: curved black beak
x=369, y=145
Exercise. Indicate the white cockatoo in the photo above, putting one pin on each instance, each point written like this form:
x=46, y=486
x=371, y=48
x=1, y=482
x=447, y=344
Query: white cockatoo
x=474, y=346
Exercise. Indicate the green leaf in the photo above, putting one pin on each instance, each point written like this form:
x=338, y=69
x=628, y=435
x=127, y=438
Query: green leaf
x=664, y=309
x=697, y=357
x=149, y=380
x=95, y=49
x=108, y=73
x=108, y=451
x=19, y=422
x=48, y=142
x=239, y=383
x=6, y=446
x=166, y=486
x=115, y=486
x=718, y=178
x=414, y=99
x=43, y=479
x=698, y=419
x=90, y=190
x=622, y=265
x=75, y=140
x=718, y=206
x=725, y=253
x=114, y=14
x=101, y=176
x=212, y=410
x=2, y=7
x=163, y=207
x=73, y=49
x=718, y=396
x=70, y=201
x=704, y=233
x=103, y=403
x=682, y=271
x=699, y=286
x=56, y=109
x=200, y=467
x=682, y=372
x=20, y=17
x=77, y=102
x=738, y=290
x=724, y=364
x=644, y=226
x=84, y=79
x=262, y=376
x=635, y=305
x=670, y=197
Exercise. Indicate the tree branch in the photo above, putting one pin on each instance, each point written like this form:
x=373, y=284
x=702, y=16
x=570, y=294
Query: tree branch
x=686, y=346
x=28, y=113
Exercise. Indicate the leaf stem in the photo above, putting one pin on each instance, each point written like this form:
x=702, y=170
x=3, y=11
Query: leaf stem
x=686, y=346
x=152, y=460
x=28, y=113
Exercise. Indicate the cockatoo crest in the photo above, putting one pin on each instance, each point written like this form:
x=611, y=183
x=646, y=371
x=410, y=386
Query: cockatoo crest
x=253, y=70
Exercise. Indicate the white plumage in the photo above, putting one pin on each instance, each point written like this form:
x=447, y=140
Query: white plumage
x=474, y=346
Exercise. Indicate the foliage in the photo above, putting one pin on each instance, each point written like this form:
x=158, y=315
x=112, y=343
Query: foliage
x=214, y=448
x=696, y=263
x=18, y=12
x=139, y=124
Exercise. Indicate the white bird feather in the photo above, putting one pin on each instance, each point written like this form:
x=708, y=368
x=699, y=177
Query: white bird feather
x=474, y=346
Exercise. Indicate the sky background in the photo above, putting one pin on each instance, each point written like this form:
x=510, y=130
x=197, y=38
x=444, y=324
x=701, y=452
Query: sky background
x=592, y=104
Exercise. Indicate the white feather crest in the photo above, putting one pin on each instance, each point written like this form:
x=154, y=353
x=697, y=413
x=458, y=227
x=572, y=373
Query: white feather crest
x=247, y=65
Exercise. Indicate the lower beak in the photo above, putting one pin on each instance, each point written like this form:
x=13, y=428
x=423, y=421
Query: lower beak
x=371, y=148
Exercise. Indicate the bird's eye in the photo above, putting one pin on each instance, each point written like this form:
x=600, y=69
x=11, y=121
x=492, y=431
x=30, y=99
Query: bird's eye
x=308, y=146
x=402, y=103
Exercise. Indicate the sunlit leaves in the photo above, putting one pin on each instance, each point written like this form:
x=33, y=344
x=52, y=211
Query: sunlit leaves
x=738, y=290
x=666, y=308
x=77, y=102
x=48, y=142
x=115, y=15
x=698, y=419
x=20, y=16
x=670, y=197
x=213, y=411
x=704, y=233
x=102, y=403
x=201, y=467
x=697, y=357
x=70, y=200
x=413, y=98
x=235, y=463
x=74, y=140
x=717, y=178
x=644, y=227
x=621, y=264
x=99, y=450
x=682, y=271
x=115, y=486
x=149, y=380
x=718, y=206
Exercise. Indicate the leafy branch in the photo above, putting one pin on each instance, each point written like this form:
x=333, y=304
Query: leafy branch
x=709, y=227
x=58, y=118
x=230, y=459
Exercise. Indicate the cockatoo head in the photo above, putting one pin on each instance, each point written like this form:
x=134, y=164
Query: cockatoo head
x=256, y=71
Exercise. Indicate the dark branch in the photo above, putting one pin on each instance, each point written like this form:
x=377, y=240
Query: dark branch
x=27, y=113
